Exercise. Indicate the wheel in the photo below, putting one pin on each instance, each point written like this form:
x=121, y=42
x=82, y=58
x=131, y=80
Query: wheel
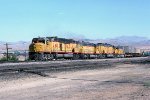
x=36, y=58
x=55, y=56
x=75, y=56
x=39, y=57
x=82, y=56
x=50, y=57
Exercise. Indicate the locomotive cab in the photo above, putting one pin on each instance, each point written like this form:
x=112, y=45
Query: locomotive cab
x=37, y=45
x=36, y=48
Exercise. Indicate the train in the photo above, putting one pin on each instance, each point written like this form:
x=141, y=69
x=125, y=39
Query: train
x=49, y=48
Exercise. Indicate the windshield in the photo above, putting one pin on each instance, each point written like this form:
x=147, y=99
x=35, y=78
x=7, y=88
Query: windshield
x=38, y=40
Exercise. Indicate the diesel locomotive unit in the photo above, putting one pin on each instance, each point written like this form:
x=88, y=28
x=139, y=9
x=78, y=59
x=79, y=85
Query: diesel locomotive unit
x=54, y=48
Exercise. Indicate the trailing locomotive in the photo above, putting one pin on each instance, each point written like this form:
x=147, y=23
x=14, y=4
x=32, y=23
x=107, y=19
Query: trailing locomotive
x=54, y=48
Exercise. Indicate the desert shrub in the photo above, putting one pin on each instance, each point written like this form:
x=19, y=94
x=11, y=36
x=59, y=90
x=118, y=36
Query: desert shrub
x=3, y=59
x=13, y=58
x=10, y=58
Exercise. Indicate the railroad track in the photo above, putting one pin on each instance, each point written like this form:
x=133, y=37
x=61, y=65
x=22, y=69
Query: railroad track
x=40, y=67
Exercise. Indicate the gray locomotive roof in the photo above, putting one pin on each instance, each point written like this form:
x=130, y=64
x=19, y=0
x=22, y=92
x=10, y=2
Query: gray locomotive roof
x=104, y=44
x=64, y=40
x=87, y=43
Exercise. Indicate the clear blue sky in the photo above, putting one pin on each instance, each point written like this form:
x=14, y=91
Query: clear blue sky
x=95, y=19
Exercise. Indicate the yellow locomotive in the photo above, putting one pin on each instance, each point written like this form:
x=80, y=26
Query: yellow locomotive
x=53, y=48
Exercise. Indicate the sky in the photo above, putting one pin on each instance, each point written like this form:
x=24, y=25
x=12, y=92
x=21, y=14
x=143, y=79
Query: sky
x=22, y=20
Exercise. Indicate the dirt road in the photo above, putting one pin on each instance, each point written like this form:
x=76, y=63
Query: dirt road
x=121, y=81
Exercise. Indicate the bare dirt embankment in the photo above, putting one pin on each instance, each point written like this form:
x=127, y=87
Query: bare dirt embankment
x=78, y=80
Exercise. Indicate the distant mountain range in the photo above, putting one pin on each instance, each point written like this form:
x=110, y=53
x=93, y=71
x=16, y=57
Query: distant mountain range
x=20, y=45
x=135, y=41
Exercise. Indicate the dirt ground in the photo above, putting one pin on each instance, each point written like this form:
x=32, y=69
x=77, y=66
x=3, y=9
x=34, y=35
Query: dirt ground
x=115, y=81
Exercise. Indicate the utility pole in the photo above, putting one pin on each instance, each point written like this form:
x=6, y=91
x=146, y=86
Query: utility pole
x=7, y=50
x=25, y=51
x=26, y=55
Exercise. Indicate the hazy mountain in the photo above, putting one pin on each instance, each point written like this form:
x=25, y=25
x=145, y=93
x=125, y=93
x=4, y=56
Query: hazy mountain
x=20, y=45
x=125, y=41
x=131, y=38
